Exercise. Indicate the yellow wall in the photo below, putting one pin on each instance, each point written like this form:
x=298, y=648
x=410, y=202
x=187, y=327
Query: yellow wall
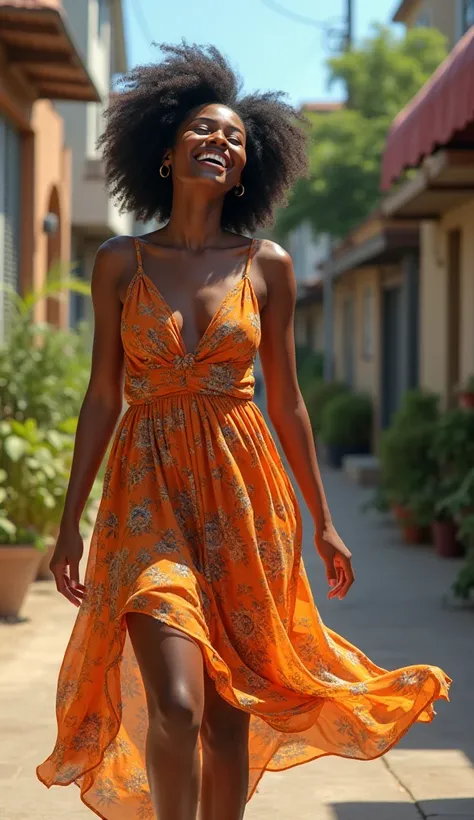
x=366, y=367
x=309, y=326
x=434, y=342
x=440, y=13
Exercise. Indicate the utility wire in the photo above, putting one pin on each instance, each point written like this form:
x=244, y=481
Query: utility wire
x=141, y=22
x=295, y=16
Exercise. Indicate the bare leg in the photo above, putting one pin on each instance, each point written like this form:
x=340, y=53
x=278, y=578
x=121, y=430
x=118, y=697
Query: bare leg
x=171, y=666
x=225, y=777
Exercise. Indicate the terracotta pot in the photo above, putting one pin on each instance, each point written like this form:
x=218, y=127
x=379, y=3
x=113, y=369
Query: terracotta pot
x=445, y=539
x=18, y=568
x=44, y=573
x=466, y=401
x=401, y=514
x=414, y=534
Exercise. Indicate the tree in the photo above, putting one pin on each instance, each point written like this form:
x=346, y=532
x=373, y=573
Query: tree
x=345, y=146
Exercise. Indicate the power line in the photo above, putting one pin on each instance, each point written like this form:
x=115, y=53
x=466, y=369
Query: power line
x=141, y=21
x=295, y=16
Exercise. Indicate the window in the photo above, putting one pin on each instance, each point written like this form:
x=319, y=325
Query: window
x=424, y=20
x=10, y=181
x=467, y=15
x=368, y=323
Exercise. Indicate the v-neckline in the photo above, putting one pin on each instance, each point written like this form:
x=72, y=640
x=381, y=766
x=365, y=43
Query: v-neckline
x=151, y=285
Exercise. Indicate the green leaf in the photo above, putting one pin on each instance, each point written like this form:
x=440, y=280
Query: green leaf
x=15, y=448
x=7, y=527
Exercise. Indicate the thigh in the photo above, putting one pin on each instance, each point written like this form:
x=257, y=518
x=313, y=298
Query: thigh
x=171, y=665
x=222, y=724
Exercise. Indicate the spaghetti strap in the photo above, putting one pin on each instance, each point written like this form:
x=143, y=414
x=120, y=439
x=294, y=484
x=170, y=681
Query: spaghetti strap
x=139, y=255
x=249, y=260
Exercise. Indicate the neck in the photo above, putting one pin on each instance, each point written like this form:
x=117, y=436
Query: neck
x=195, y=222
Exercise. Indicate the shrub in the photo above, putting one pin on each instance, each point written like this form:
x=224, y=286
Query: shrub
x=347, y=420
x=316, y=398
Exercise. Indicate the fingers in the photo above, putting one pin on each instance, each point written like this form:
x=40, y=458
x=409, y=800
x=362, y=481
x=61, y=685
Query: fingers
x=345, y=579
x=64, y=584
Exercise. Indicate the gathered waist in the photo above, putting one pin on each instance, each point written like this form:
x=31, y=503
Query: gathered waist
x=191, y=394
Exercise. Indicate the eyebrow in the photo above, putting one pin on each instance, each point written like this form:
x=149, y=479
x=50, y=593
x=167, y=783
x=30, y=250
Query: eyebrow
x=211, y=121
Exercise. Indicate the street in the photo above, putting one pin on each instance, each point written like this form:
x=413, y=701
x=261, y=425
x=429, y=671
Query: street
x=394, y=612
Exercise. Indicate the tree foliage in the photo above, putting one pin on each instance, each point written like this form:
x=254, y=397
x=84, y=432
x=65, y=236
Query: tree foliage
x=345, y=146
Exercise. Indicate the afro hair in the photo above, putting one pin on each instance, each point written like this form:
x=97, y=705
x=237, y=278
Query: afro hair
x=144, y=117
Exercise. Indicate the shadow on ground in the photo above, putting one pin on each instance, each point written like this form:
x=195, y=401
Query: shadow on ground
x=436, y=809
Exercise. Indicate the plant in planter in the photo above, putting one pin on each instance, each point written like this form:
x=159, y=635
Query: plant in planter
x=461, y=506
x=317, y=396
x=35, y=466
x=346, y=426
x=407, y=468
x=466, y=394
x=453, y=450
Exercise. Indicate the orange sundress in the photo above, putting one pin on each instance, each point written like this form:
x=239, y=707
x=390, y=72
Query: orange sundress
x=199, y=527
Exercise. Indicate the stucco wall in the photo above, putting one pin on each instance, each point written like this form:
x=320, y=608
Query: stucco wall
x=309, y=326
x=51, y=170
x=440, y=14
x=434, y=283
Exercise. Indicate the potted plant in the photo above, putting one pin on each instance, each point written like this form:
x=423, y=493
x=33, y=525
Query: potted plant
x=407, y=465
x=461, y=506
x=34, y=467
x=466, y=395
x=453, y=450
x=346, y=426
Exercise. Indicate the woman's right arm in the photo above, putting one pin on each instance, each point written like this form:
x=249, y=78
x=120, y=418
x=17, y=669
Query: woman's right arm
x=99, y=412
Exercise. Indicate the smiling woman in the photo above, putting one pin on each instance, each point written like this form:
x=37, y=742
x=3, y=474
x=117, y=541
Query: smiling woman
x=198, y=660
x=155, y=102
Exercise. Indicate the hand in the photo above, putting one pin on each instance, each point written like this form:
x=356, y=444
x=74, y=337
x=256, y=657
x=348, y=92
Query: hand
x=65, y=564
x=338, y=562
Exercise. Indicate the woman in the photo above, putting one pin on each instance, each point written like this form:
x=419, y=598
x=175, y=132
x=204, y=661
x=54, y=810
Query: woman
x=197, y=641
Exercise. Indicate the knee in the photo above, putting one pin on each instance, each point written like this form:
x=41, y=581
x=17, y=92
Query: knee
x=175, y=713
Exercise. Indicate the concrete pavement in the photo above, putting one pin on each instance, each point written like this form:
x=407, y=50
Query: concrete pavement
x=395, y=613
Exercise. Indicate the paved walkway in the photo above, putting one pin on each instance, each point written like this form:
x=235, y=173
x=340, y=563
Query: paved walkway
x=394, y=613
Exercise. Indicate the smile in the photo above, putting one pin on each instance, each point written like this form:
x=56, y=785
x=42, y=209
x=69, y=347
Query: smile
x=212, y=158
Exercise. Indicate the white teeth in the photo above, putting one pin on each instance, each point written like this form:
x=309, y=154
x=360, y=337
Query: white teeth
x=211, y=155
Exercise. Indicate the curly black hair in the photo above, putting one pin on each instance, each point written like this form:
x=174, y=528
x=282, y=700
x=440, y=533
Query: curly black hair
x=143, y=120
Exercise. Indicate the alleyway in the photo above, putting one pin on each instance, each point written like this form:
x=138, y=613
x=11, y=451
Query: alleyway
x=394, y=612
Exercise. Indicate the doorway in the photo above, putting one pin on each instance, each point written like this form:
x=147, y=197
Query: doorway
x=392, y=357
x=453, y=306
x=348, y=340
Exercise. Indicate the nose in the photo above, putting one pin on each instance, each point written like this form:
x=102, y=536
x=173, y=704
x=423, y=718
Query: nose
x=219, y=138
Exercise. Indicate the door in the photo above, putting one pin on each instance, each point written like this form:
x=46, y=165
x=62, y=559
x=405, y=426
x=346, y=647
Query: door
x=453, y=306
x=10, y=143
x=348, y=342
x=392, y=355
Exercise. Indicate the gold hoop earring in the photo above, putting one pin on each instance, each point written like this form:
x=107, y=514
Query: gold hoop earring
x=163, y=169
x=239, y=190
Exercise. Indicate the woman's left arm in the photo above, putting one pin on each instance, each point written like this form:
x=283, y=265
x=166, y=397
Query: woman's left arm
x=288, y=413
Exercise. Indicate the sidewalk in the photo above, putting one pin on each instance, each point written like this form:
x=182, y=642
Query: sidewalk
x=394, y=613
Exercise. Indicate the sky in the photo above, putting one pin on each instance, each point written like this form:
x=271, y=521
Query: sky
x=270, y=51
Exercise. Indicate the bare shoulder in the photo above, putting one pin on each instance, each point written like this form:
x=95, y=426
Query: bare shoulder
x=276, y=266
x=115, y=264
x=116, y=249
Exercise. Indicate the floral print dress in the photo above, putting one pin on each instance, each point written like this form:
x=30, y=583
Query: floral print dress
x=199, y=527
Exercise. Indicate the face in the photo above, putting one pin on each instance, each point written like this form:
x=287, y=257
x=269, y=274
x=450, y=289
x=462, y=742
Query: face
x=210, y=148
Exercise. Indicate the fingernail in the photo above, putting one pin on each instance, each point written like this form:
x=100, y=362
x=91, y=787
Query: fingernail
x=73, y=584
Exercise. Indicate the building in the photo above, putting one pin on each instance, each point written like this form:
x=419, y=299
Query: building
x=452, y=17
x=98, y=27
x=39, y=63
x=374, y=275
x=434, y=134
x=310, y=251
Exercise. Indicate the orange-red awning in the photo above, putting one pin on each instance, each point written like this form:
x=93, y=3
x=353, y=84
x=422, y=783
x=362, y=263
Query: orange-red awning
x=438, y=115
